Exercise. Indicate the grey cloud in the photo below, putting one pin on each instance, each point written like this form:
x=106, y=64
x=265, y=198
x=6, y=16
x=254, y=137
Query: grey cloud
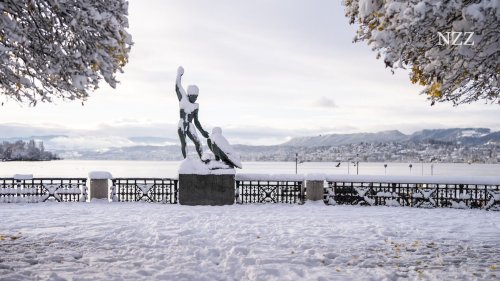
x=324, y=102
x=9, y=130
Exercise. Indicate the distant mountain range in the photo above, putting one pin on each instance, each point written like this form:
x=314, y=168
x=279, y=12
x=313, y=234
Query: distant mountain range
x=452, y=145
x=341, y=139
x=466, y=136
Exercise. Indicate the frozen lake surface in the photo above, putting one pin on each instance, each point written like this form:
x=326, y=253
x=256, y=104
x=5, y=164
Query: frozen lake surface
x=80, y=168
x=141, y=241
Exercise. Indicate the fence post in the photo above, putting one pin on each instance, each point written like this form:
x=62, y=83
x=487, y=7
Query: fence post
x=99, y=184
x=315, y=187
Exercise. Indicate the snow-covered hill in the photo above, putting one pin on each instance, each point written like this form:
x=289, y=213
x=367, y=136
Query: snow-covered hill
x=460, y=135
x=340, y=139
x=455, y=135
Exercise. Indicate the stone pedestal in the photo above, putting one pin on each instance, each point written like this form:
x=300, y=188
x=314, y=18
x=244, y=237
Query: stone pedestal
x=315, y=190
x=99, y=184
x=98, y=189
x=206, y=189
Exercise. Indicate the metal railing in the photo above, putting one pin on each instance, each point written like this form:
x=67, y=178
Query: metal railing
x=269, y=189
x=413, y=192
x=43, y=189
x=162, y=190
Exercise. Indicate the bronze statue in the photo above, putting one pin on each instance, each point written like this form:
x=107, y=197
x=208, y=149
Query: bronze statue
x=188, y=110
x=225, y=156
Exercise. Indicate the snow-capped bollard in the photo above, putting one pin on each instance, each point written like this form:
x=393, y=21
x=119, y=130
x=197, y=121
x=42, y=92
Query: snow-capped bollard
x=99, y=186
x=20, y=177
x=315, y=187
x=198, y=185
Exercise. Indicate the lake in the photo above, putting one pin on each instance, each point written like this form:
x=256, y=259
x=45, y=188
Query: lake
x=81, y=168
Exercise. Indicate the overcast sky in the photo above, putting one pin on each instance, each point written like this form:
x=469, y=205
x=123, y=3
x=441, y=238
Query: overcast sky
x=267, y=70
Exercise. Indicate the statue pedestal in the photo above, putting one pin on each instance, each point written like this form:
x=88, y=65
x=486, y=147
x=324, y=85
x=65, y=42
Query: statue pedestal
x=211, y=189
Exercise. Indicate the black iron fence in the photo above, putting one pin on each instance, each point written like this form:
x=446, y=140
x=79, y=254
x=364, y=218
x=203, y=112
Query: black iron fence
x=424, y=192
x=414, y=193
x=43, y=189
x=269, y=189
x=160, y=190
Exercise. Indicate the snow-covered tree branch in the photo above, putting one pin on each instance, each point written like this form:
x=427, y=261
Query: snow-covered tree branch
x=61, y=48
x=405, y=33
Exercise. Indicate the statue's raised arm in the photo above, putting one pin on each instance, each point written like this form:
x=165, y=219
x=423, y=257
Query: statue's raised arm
x=178, y=85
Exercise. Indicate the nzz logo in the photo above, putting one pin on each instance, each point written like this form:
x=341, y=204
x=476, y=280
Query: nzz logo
x=456, y=38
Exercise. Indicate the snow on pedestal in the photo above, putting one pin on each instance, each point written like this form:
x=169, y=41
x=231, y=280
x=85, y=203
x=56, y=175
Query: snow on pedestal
x=194, y=166
x=100, y=175
x=23, y=176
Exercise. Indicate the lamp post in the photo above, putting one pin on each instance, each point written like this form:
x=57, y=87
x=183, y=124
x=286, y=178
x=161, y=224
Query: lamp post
x=357, y=164
x=296, y=162
x=385, y=169
x=348, y=166
x=411, y=166
x=433, y=159
x=422, y=161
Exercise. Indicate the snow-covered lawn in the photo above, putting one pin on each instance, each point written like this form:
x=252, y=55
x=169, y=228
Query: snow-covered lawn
x=140, y=241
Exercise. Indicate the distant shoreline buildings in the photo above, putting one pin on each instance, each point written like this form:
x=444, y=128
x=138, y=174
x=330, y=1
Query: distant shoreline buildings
x=25, y=151
x=457, y=145
x=425, y=151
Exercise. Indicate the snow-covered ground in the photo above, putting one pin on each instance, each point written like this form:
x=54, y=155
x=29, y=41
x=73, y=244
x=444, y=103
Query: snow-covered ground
x=141, y=241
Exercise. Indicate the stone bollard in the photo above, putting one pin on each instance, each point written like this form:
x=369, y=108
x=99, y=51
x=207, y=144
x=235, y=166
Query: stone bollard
x=99, y=187
x=315, y=187
x=315, y=190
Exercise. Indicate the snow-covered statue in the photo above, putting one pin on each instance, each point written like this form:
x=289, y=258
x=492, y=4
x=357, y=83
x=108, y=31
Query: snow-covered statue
x=188, y=110
x=225, y=156
x=222, y=149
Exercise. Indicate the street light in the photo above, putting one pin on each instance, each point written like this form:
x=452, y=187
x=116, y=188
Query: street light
x=385, y=169
x=296, y=162
x=348, y=165
x=411, y=166
x=357, y=164
x=433, y=159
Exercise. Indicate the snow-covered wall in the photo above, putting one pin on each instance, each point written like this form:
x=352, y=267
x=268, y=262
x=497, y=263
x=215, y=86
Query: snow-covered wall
x=372, y=178
x=416, y=179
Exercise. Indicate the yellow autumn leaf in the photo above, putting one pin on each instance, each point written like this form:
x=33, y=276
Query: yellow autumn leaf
x=435, y=90
x=94, y=66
